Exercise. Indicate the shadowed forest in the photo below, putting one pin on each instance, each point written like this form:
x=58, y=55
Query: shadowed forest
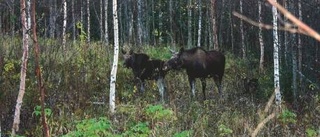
x=76, y=59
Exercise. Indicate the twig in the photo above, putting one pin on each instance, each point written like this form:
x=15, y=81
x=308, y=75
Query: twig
x=261, y=124
x=289, y=28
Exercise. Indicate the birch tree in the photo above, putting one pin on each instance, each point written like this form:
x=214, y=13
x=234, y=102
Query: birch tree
x=113, y=77
x=261, y=43
x=189, y=23
x=140, y=22
x=64, y=26
x=214, y=25
x=243, y=46
x=24, y=60
x=88, y=21
x=199, y=23
x=276, y=56
x=106, y=35
x=73, y=21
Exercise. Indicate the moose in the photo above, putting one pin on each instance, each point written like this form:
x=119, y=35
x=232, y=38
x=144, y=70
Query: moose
x=145, y=68
x=199, y=63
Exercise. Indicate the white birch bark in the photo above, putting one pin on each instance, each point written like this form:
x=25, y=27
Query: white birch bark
x=189, y=24
x=64, y=26
x=199, y=25
x=140, y=23
x=261, y=43
x=276, y=56
x=214, y=25
x=24, y=60
x=113, y=76
x=88, y=21
x=106, y=35
x=73, y=21
x=242, y=33
x=300, y=43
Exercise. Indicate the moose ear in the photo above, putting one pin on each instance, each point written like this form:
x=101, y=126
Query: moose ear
x=130, y=52
x=123, y=51
x=181, y=50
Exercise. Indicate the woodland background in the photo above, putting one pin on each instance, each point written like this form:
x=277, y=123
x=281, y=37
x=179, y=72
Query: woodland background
x=76, y=59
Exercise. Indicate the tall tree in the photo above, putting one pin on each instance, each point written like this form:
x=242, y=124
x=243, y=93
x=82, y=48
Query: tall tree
x=243, y=46
x=88, y=21
x=73, y=21
x=64, y=26
x=199, y=23
x=300, y=43
x=113, y=76
x=214, y=25
x=189, y=23
x=276, y=55
x=38, y=70
x=140, y=25
x=261, y=42
x=24, y=61
x=106, y=35
x=52, y=18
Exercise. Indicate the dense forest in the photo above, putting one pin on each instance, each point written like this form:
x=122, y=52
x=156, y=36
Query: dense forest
x=57, y=59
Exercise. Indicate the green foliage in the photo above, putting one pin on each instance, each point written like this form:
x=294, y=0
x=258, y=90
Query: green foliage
x=139, y=130
x=91, y=127
x=287, y=117
x=37, y=111
x=311, y=132
x=158, y=113
x=186, y=133
x=224, y=130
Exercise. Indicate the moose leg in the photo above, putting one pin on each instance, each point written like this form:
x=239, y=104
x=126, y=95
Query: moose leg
x=193, y=86
x=217, y=79
x=161, y=87
x=203, y=82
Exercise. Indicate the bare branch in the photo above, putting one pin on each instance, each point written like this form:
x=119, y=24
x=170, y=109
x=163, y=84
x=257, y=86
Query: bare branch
x=289, y=28
x=301, y=26
x=261, y=124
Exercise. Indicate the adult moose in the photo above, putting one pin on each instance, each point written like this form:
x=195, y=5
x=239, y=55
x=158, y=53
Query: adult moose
x=199, y=63
x=145, y=68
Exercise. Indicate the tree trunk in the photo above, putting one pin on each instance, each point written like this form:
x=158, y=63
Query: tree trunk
x=243, y=46
x=24, y=60
x=214, y=25
x=113, y=76
x=276, y=56
x=73, y=21
x=140, y=23
x=189, y=23
x=38, y=70
x=261, y=42
x=52, y=18
x=64, y=36
x=299, y=44
x=106, y=35
x=199, y=23
x=88, y=21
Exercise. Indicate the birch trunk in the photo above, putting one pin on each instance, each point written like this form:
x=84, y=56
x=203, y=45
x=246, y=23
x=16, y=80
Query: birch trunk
x=261, y=43
x=243, y=46
x=113, y=76
x=189, y=24
x=24, y=60
x=106, y=35
x=199, y=23
x=64, y=26
x=300, y=44
x=214, y=25
x=88, y=21
x=73, y=21
x=140, y=23
x=276, y=56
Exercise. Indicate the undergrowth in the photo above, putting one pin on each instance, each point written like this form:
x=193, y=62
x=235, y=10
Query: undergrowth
x=77, y=86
